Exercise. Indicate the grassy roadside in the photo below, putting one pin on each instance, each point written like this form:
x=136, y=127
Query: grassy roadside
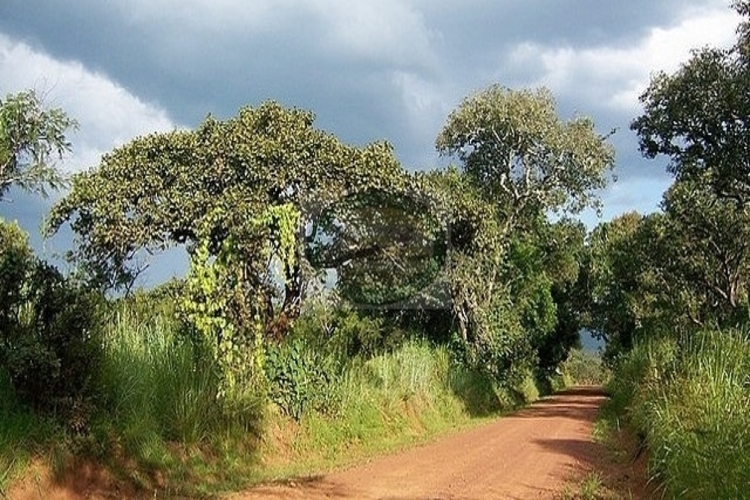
x=163, y=433
x=619, y=471
x=679, y=415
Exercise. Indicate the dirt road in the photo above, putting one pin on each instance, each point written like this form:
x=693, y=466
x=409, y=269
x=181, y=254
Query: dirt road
x=530, y=454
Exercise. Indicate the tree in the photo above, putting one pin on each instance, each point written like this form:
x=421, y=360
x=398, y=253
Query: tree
x=519, y=161
x=563, y=247
x=31, y=137
x=403, y=249
x=231, y=187
x=615, y=287
x=710, y=253
x=699, y=116
x=522, y=156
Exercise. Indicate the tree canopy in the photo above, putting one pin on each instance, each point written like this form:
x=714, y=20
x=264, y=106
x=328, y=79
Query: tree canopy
x=212, y=186
x=31, y=138
x=523, y=156
x=699, y=116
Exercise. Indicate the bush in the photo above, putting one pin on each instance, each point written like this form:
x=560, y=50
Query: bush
x=49, y=333
x=343, y=333
x=301, y=378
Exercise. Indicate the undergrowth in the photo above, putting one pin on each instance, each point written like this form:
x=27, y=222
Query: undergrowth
x=408, y=395
x=689, y=400
x=160, y=424
x=22, y=434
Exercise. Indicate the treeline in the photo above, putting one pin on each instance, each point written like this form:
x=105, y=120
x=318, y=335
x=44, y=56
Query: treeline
x=670, y=289
x=335, y=291
x=327, y=285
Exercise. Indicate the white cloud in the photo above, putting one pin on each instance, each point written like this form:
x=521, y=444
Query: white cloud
x=615, y=76
x=381, y=31
x=384, y=30
x=107, y=113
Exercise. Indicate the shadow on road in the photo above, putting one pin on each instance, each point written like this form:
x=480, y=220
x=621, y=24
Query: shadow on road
x=579, y=403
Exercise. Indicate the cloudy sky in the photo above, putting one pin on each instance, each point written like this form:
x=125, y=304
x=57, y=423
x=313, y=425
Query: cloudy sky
x=371, y=70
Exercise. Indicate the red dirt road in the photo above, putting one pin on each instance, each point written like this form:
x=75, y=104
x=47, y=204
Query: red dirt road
x=530, y=454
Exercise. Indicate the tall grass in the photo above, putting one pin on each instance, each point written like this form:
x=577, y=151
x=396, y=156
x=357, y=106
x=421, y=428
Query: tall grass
x=22, y=433
x=155, y=382
x=394, y=398
x=161, y=423
x=690, y=399
x=161, y=408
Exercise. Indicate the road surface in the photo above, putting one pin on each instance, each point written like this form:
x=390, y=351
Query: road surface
x=530, y=454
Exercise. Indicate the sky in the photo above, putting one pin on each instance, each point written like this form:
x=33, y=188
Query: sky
x=370, y=70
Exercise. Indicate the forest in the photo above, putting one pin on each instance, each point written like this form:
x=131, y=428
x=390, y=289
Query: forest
x=336, y=298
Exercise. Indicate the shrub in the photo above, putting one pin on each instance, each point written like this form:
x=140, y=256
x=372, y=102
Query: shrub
x=301, y=378
x=49, y=336
x=344, y=333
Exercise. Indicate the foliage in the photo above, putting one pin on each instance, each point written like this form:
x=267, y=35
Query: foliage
x=699, y=116
x=689, y=399
x=199, y=186
x=155, y=382
x=302, y=379
x=614, y=277
x=710, y=254
x=23, y=433
x=682, y=269
x=585, y=368
x=332, y=327
x=519, y=162
x=212, y=306
x=514, y=146
x=48, y=332
x=565, y=262
x=160, y=423
x=402, y=241
x=30, y=139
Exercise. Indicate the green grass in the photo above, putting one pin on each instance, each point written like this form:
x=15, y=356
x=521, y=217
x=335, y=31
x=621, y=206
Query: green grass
x=690, y=400
x=161, y=410
x=22, y=434
x=391, y=400
x=160, y=424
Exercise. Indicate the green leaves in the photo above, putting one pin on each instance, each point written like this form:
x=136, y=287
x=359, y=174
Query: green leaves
x=49, y=342
x=519, y=161
x=265, y=203
x=524, y=158
x=699, y=116
x=31, y=137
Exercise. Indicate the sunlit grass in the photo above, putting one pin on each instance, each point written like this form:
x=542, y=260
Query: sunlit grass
x=691, y=402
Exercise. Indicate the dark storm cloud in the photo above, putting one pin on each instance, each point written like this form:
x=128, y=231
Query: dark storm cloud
x=370, y=70
x=197, y=61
